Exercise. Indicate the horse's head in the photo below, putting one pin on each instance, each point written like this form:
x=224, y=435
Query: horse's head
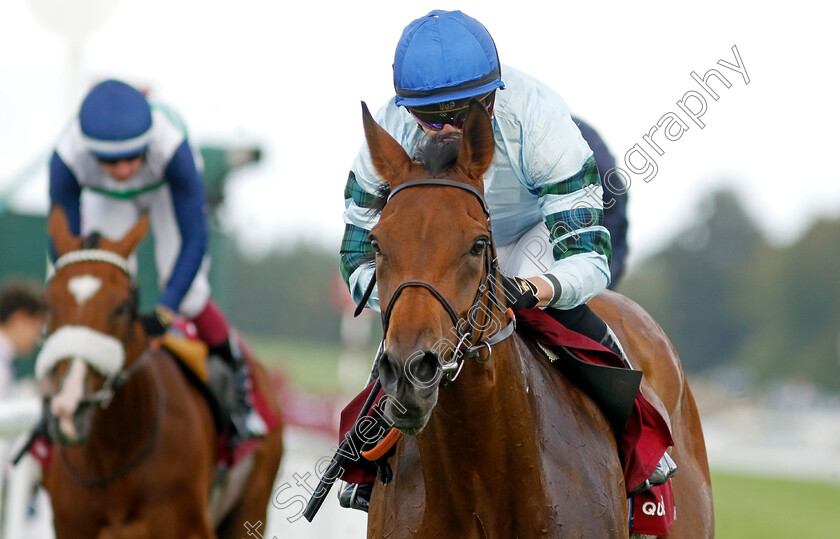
x=435, y=265
x=92, y=323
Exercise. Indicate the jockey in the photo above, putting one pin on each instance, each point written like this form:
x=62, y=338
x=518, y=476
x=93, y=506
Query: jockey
x=543, y=187
x=122, y=157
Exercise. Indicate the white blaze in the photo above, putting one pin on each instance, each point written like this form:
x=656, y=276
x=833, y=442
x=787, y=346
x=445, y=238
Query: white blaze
x=84, y=287
x=64, y=404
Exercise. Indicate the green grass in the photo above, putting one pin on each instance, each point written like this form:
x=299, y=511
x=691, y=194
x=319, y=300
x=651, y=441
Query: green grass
x=309, y=366
x=748, y=507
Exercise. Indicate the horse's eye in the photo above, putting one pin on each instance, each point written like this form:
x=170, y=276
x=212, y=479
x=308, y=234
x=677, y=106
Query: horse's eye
x=375, y=245
x=123, y=309
x=478, y=247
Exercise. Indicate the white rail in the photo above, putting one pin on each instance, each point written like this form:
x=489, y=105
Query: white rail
x=16, y=419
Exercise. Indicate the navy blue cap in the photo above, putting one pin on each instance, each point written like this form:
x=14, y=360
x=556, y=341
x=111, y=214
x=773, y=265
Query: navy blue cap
x=445, y=55
x=116, y=120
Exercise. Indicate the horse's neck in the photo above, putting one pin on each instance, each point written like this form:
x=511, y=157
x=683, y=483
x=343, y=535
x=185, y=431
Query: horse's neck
x=480, y=428
x=129, y=420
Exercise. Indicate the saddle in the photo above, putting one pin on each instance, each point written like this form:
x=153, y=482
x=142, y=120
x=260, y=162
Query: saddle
x=214, y=378
x=209, y=374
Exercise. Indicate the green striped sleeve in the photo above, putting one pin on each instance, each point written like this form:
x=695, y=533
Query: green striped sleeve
x=355, y=250
x=353, y=191
x=587, y=176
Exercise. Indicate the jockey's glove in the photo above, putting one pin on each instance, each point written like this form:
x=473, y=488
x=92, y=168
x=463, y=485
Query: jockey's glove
x=156, y=322
x=520, y=293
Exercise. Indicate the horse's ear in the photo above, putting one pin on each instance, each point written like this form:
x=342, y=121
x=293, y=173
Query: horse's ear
x=59, y=229
x=128, y=243
x=477, y=145
x=389, y=158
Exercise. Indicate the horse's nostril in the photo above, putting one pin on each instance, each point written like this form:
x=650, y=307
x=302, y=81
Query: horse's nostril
x=389, y=371
x=424, y=368
x=421, y=370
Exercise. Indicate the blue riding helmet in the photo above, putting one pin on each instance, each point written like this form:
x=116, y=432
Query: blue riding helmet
x=445, y=55
x=116, y=121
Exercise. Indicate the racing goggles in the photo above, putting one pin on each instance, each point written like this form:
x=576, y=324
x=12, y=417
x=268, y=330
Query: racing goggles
x=115, y=160
x=453, y=113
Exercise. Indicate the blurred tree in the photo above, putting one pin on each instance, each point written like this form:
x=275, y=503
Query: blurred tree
x=697, y=291
x=799, y=297
x=286, y=293
x=726, y=297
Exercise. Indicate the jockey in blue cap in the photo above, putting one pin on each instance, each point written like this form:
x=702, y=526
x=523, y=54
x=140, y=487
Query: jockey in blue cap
x=543, y=187
x=122, y=157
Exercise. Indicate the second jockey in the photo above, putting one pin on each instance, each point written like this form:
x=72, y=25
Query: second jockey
x=121, y=157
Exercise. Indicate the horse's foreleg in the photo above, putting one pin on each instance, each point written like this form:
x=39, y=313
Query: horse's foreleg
x=250, y=509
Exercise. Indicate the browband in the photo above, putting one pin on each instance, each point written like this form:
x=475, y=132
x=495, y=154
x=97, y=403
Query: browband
x=445, y=183
x=93, y=255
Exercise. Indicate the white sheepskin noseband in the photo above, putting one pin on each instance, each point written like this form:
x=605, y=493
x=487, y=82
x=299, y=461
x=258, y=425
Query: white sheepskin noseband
x=102, y=352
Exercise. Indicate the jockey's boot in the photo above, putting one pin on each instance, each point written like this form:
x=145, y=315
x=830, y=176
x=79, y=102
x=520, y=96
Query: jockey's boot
x=609, y=340
x=667, y=468
x=355, y=496
x=246, y=422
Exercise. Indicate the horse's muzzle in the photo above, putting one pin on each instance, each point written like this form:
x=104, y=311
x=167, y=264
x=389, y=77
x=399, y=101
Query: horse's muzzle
x=413, y=386
x=421, y=371
x=81, y=419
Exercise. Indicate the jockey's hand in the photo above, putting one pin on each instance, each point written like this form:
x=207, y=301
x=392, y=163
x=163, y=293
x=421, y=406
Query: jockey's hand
x=520, y=293
x=156, y=322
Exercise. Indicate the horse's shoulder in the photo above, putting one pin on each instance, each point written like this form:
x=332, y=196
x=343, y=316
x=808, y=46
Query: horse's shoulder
x=164, y=358
x=556, y=402
x=175, y=375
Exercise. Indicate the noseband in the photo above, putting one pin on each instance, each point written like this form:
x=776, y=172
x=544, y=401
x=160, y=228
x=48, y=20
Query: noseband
x=463, y=349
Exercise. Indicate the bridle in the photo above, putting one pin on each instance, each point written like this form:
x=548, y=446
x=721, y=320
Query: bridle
x=115, y=381
x=466, y=348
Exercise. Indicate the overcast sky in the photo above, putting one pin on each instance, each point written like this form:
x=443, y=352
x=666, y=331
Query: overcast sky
x=289, y=76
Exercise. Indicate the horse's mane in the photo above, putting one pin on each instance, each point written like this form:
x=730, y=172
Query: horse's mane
x=438, y=154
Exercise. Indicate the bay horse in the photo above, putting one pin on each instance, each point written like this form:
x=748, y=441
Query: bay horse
x=511, y=448
x=135, y=441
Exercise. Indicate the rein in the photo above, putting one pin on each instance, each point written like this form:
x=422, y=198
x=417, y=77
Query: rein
x=463, y=350
x=148, y=446
x=113, y=383
x=104, y=396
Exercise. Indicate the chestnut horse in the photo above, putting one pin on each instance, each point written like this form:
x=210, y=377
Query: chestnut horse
x=512, y=448
x=135, y=440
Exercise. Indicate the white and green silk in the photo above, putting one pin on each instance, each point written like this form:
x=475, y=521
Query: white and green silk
x=543, y=176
